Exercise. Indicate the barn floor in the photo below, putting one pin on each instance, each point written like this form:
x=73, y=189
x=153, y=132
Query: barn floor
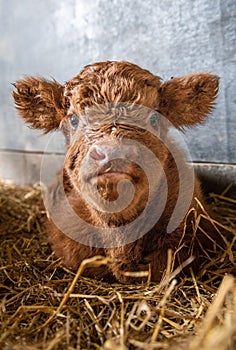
x=43, y=306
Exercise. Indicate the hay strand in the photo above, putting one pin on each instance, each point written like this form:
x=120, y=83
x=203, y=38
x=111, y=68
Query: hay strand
x=44, y=306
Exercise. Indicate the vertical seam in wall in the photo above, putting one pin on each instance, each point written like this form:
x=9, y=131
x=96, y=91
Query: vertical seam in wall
x=225, y=95
x=24, y=163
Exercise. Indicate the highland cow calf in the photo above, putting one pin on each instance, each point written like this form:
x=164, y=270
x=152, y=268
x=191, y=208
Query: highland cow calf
x=125, y=191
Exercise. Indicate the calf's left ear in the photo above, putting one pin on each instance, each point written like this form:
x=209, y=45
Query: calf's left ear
x=40, y=102
x=189, y=99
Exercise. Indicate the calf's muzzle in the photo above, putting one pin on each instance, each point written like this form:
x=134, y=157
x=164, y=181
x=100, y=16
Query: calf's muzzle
x=103, y=153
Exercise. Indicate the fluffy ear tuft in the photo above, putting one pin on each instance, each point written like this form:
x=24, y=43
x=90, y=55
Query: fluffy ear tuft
x=189, y=99
x=40, y=102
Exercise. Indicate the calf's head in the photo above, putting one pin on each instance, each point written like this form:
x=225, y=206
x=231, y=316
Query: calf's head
x=110, y=114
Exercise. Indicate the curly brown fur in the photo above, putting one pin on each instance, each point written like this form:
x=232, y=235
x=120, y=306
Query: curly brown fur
x=40, y=103
x=184, y=101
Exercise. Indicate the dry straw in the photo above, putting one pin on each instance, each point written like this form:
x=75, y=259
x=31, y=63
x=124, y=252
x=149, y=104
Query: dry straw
x=44, y=306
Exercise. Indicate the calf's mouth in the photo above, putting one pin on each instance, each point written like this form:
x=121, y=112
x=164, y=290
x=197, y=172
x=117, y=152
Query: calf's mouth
x=112, y=177
x=108, y=178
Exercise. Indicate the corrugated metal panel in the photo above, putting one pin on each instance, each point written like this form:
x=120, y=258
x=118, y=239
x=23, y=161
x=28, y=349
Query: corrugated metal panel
x=56, y=38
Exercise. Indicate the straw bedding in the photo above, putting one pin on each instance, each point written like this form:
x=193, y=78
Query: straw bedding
x=44, y=306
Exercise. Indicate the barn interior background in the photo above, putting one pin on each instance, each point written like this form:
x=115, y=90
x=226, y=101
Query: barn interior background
x=56, y=39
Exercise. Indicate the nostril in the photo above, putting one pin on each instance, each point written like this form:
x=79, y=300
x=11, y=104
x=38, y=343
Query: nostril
x=106, y=153
x=97, y=154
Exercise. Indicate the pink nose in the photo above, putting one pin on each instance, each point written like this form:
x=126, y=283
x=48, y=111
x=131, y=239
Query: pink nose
x=105, y=153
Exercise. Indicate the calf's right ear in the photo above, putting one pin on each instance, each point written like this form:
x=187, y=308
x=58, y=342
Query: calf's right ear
x=40, y=102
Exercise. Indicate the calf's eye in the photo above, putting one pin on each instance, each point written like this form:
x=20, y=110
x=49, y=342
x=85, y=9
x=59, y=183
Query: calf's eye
x=74, y=121
x=153, y=120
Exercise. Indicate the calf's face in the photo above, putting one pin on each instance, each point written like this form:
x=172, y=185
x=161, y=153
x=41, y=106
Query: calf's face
x=111, y=150
x=115, y=118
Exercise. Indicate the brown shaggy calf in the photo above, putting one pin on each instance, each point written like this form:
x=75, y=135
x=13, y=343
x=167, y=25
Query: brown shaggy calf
x=131, y=196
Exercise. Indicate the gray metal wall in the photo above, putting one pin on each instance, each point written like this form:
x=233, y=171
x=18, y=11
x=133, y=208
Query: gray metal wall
x=56, y=38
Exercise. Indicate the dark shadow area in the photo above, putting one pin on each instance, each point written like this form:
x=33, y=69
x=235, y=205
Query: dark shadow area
x=217, y=178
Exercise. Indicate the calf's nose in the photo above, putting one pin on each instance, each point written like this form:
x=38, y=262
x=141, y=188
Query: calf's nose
x=105, y=153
